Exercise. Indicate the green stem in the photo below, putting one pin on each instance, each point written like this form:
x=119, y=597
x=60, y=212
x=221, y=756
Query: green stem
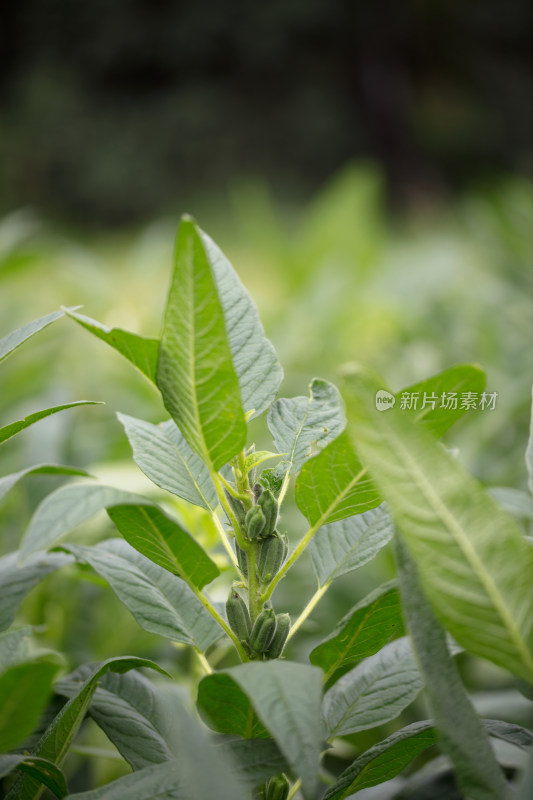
x=225, y=541
x=215, y=477
x=206, y=666
x=284, y=486
x=294, y=789
x=320, y=592
x=253, y=586
x=300, y=547
x=221, y=621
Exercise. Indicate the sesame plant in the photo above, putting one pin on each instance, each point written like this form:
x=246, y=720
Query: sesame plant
x=258, y=724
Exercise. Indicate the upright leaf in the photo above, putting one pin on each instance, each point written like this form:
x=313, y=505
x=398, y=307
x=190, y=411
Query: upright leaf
x=286, y=698
x=195, y=371
x=16, y=427
x=255, y=360
x=8, y=481
x=17, y=581
x=160, y=603
x=375, y=691
x=461, y=732
x=165, y=457
x=139, y=351
x=364, y=630
x=475, y=566
x=14, y=339
x=341, y=547
x=164, y=542
x=302, y=426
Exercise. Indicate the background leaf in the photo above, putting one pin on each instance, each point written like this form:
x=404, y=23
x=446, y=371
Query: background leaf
x=474, y=563
x=529, y=452
x=302, y=426
x=40, y=768
x=165, y=457
x=8, y=481
x=16, y=427
x=14, y=339
x=195, y=371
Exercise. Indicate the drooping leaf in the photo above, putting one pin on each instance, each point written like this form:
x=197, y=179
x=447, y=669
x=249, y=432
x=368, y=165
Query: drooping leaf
x=302, y=426
x=529, y=452
x=164, y=542
x=157, y=782
x=343, y=546
x=8, y=481
x=364, y=630
x=39, y=768
x=474, y=563
x=375, y=691
x=165, y=457
x=16, y=427
x=14, y=339
x=461, y=732
x=286, y=698
x=388, y=758
x=58, y=737
x=255, y=360
x=67, y=507
x=195, y=371
x=17, y=581
x=124, y=707
x=24, y=691
x=255, y=760
x=139, y=351
x=159, y=602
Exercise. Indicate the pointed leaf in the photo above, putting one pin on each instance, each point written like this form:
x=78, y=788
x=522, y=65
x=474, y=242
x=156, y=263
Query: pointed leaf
x=373, y=622
x=17, y=581
x=58, y=737
x=14, y=339
x=302, y=426
x=226, y=708
x=15, y=427
x=286, y=698
x=67, y=507
x=160, y=603
x=341, y=547
x=195, y=371
x=255, y=360
x=165, y=457
x=529, y=452
x=375, y=691
x=461, y=733
x=474, y=563
x=258, y=457
x=24, y=692
x=256, y=760
x=141, y=352
x=39, y=768
x=164, y=542
x=8, y=481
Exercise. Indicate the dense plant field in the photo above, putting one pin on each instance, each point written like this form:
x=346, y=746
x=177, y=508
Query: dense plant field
x=299, y=585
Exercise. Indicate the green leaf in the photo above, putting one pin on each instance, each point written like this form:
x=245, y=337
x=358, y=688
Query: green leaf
x=124, y=706
x=164, y=542
x=195, y=371
x=67, y=507
x=373, y=622
x=14, y=647
x=39, y=768
x=461, y=732
x=344, y=546
x=375, y=691
x=165, y=457
x=302, y=426
x=475, y=566
x=514, y=501
x=15, y=427
x=286, y=698
x=255, y=360
x=258, y=457
x=17, y=581
x=14, y=339
x=388, y=758
x=255, y=760
x=226, y=708
x=160, y=603
x=8, y=481
x=24, y=692
x=529, y=452
x=141, y=352
x=58, y=737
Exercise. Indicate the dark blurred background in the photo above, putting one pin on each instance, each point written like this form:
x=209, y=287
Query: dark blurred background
x=114, y=112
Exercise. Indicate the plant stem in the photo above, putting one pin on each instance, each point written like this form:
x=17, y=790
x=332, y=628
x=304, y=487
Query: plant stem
x=294, y=789
x=206, y=666
x=215, y=477
x=224, y=538
x=284, y=486
x=300, y=547
x=221, y=621
x=320, y=592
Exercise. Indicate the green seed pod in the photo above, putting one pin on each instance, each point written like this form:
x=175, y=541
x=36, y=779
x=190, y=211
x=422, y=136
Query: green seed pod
x=268, y=503
x=278, y=788
x=283, y=626
x=270, y=557
x=242, y=559
x=263, y=631
x=237, y=507
x=255, y=522
x=238, y=615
